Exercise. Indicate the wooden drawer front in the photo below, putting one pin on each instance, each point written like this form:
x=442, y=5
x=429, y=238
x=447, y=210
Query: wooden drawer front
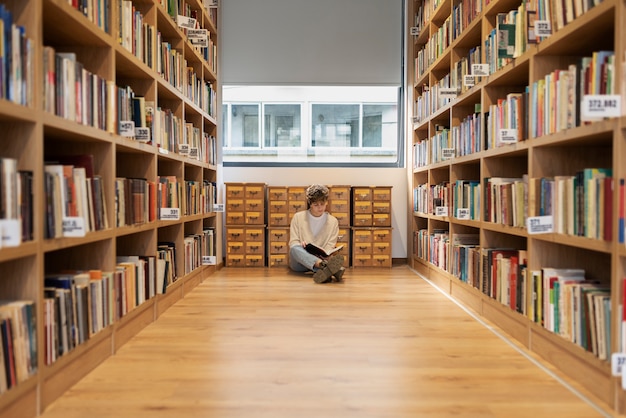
x=278, y=206
x=338, y=205
x=278, y=260
x=278, y=247
x=342, y=218
x=255, y=234
x=255, y=192
x=381, y=260
x=235, y=260
x=235, y=247
x=362, y=260
x=235, y=218
x=234, y=191
x=255, y=260
x=254, y=218
x=381, y=219
x=362, y=193
x=297, y=193
x=277, y=193
x=255, y=247
x=344, y=235
x=255, y=205
x=381, y=207
x=382, y=235
x=381, y=248
x=297, y=206
x=278, y=234
x=339, y=192
x=364, y=206
x=381, y=194
x=362, y=248
x=234, y=205
x=361, y=219
x=235, y=234
x=362, y=235
x=279, y=219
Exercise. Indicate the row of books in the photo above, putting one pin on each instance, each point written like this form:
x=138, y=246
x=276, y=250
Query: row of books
x=97, y=11
x=506, y=121
x=433, y=198
x=16, y=203
x=16, y=61
x=18, y=342
x=197, y=249
x=137, y=36
x=564, y=301
x=75, y=197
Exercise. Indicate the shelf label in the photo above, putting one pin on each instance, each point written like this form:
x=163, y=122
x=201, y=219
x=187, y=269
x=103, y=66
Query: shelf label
x=170, y=214
x=463, y=213
x=480, y=70
x=218, y=207
x=447, y=93
x=127, y=128
x=163, y=151
x=447, y=153
x=73, y=226
x=11, y=230
x=468, y=80
x=441, y=211
x=618, y=361
x=540, y=225
x=543, y=28
x=198, y=37
x=183, y=149
x=416, y=120
x=142, y=134
x=508, y=136
x=415, y=31
x=194, y=153
x=213, y=3
x=209, y=260
x=186, y=22
x=598, y=106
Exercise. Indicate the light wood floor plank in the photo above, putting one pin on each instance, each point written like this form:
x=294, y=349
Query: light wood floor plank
x=267, y=343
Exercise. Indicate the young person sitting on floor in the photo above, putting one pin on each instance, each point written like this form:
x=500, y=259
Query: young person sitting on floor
x=318, y=227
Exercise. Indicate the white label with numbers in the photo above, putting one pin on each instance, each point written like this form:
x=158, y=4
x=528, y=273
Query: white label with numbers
x=540, y=225
x=508, y=136
x=543, y=28
x=480, y=70
x=468, y=80
x=198, y=37
x=447, y=93
x=73, y=226
x=600, y=106
x=415, y=31
x=218, y=207
x=127, y=128
x=170, y=214
x=142, y=134
x=441, y=211
x=194, y=153
x=186, y=22
x=416, y=119
x=183, y=149
x=463, y=213
x=11, y=230
x=209, y=260
x=618, y=361
x=447, y=153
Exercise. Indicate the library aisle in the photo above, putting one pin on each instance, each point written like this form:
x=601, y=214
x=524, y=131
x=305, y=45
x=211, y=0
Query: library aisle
x=268, y=343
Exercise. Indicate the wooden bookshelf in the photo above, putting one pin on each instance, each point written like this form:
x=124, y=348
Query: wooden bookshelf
x=561, y=151
x=33, y=135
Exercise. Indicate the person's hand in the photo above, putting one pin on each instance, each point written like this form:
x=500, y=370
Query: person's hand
x=303, y=244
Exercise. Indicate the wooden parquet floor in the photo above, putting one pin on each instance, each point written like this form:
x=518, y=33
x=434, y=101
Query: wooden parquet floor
x=269, y=343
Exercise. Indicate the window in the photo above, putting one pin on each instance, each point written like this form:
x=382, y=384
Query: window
x=300, y=124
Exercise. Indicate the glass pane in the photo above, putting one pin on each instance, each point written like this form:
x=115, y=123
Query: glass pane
x=380, y=125
x=282, y=125
x=335, y=125
x=244, y=125
x=224, y=125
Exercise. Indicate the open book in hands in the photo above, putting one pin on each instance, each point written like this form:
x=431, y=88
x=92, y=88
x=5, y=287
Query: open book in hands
x=315, y=250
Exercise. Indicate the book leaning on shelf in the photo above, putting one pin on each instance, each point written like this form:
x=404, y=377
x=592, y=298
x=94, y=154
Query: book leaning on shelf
x=18, y=342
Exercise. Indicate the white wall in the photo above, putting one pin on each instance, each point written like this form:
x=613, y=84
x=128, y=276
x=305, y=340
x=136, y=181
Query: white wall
x=299, y=176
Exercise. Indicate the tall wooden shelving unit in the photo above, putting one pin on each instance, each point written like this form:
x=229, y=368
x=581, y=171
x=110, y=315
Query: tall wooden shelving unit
x=598, y=144
x=31, y=135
